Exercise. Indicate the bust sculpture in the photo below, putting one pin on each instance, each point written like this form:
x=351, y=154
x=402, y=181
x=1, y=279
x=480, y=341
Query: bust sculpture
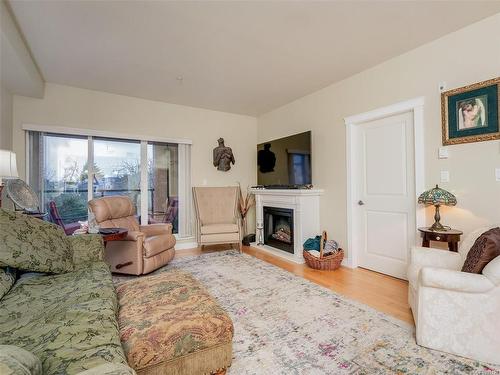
x=223, y=156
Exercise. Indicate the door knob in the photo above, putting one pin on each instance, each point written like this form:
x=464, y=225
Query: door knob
x=361, y=203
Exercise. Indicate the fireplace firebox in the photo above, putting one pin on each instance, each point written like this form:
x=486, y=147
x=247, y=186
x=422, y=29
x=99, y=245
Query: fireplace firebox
x=278, y=228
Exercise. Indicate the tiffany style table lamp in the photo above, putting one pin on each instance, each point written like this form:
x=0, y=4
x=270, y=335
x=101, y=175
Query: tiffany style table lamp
x=437, y=197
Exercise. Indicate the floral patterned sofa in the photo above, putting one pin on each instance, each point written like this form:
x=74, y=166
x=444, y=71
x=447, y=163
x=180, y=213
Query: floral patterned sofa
x=64, y=316
x=62, y=322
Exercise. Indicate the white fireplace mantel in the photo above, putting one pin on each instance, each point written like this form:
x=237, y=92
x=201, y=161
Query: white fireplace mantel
x=305, y=204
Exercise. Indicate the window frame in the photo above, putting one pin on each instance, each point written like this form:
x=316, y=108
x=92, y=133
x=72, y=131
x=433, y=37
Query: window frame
x=184, y=176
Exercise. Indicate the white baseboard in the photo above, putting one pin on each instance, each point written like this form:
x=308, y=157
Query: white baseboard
x=346, y=262
x=186, y=245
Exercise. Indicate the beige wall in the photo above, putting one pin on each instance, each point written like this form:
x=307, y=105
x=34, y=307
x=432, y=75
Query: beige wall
x=5, y=119
x=18, y=73
x=464, y=57
x=86, y=109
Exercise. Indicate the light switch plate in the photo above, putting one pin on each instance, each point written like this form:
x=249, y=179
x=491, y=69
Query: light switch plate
x=204, y=182
x=443, y=153
x=445, y=176
x=497, y=174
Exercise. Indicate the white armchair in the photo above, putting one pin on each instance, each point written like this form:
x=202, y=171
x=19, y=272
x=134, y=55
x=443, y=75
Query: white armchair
x=454, y=311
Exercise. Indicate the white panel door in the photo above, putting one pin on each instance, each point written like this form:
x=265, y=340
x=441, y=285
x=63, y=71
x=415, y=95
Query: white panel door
x=384, y=206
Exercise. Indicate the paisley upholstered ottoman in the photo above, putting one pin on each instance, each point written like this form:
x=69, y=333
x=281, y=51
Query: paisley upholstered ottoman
x=169, y=324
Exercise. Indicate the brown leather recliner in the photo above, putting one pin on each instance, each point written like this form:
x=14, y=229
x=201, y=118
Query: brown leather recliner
x=148, y=247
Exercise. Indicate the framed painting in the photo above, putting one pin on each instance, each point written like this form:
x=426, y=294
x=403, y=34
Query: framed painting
x=470, y=113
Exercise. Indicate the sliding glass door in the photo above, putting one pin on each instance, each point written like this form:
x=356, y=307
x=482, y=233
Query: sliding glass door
x=67, y=171
x=163, y=184
x=117, y=169
x=59, y=175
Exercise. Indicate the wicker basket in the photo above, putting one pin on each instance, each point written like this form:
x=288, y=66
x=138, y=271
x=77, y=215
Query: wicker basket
x=328, y=263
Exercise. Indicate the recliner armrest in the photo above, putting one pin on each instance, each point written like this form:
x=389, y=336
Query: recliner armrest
x=425, y=256
x=133, y=235
x=156, y=229
x=454, y=280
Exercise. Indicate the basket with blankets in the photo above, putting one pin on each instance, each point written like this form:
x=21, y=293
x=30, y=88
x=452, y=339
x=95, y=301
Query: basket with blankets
x=321, y=253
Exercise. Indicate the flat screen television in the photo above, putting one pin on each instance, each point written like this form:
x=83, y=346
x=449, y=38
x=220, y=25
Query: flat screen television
x=285, y=162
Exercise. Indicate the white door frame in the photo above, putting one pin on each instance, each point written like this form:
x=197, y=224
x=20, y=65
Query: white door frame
x=416, y=106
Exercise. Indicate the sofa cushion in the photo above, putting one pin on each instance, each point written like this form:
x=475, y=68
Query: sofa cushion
x=156, y=244
x=67, y=320
x=17, y=361
x=219, y=228
x=7, y=279
x=31, y=244
x=86, y=248
x=485, y=249
x=169, y=324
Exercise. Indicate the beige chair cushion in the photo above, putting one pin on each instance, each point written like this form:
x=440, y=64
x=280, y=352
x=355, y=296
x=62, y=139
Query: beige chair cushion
x=220, y=238
x=219, y=228
x=156, y=244
x=114, y=212
x=129, y=223
x=216, y=204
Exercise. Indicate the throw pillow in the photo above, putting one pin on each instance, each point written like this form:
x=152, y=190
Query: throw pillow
x=8, y=277
x=30, y=244
x=15, y=360
x=485, y=249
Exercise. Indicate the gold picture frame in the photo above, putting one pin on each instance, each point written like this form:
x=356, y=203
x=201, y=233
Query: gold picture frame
x=471, y=113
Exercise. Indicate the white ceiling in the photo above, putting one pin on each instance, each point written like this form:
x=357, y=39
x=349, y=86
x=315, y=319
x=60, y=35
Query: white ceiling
x=241, y=57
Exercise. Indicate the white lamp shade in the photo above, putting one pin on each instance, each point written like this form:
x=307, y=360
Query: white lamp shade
x=8, y=165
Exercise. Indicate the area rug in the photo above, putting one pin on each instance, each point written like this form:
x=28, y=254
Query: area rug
x=285, y=324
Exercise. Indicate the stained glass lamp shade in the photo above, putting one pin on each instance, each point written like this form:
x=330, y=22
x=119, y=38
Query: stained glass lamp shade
x=437, y=197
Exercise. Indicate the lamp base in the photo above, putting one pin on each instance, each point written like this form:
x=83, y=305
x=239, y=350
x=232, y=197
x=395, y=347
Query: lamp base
x=437, y=226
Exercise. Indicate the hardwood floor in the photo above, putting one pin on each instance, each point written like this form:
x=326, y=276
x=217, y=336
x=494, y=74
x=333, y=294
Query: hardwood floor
x=383, y=293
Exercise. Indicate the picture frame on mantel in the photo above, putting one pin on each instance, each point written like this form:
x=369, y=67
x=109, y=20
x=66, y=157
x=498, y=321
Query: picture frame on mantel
x=471, y=113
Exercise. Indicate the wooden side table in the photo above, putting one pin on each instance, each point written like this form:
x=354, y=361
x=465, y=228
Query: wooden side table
x=115, y=234
x=452, y=237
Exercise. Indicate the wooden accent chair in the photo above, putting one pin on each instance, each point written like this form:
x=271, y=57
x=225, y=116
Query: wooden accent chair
x=218, y=221
x=56, y=218
x=146, y=247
